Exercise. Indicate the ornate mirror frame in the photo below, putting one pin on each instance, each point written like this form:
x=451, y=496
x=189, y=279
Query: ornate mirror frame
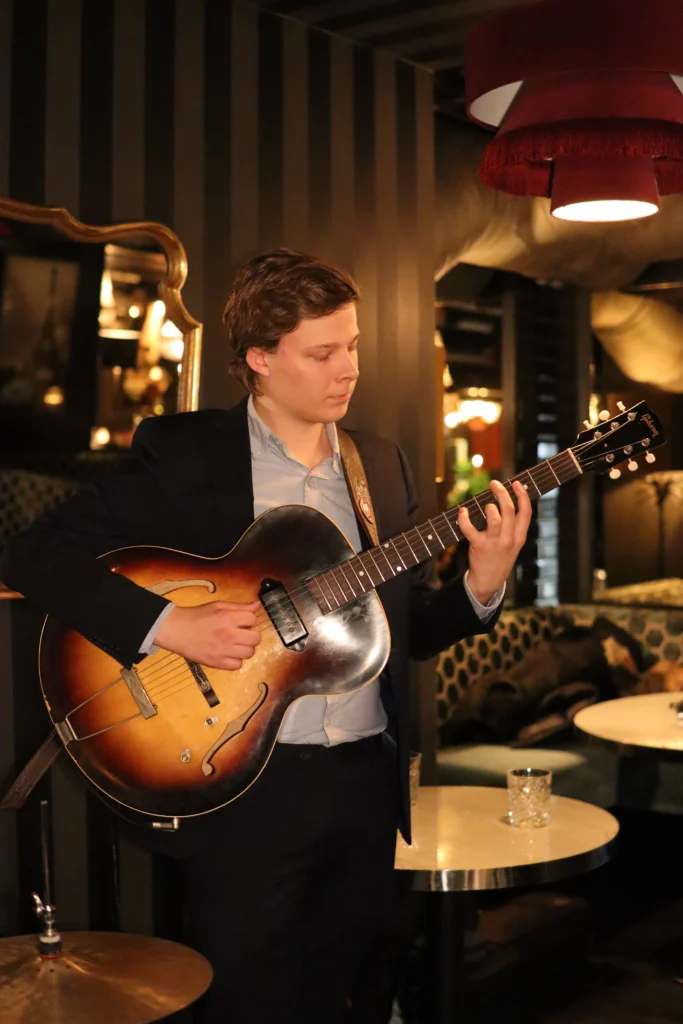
x=170, y=286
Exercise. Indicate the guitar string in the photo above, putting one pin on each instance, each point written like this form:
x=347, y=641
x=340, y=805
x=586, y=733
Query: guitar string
x=164, y=675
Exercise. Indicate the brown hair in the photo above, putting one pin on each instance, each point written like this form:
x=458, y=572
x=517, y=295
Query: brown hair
x=271, y=295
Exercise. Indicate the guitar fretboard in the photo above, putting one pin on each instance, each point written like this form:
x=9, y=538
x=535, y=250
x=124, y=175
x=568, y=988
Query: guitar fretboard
x=357, y=575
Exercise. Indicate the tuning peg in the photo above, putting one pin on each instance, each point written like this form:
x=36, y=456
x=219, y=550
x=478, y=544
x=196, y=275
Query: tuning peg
x=650, y=457
x=587, y=424
x=621, y=407
x=603, y=415
x=632, y=465
x=614, y=474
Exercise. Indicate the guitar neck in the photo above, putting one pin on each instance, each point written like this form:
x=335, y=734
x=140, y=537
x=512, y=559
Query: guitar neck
x=364, y=572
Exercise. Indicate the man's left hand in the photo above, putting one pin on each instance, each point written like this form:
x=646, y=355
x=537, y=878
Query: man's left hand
x=493, y=551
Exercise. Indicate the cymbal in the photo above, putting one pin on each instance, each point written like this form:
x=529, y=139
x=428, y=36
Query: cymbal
x=107, y=977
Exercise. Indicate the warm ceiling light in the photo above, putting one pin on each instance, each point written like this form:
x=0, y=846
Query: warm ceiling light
x=586, y=100
x=599, y=190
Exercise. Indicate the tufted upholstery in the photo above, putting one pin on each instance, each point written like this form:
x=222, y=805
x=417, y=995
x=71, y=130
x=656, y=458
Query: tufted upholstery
x=24, y=495
x=660, y=630
x=581, y=769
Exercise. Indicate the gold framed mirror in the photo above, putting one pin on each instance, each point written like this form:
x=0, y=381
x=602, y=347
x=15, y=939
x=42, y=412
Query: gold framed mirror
x=141, y=262
x=94, y=337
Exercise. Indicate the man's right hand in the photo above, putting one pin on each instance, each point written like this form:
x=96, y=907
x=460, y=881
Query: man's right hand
x=216, y=634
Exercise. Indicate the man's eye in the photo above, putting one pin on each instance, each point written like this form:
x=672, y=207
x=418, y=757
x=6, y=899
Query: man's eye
x=322, y=359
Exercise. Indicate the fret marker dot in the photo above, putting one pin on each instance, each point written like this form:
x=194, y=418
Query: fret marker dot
x=361, y=573
x=526, y=487
x=398, y=568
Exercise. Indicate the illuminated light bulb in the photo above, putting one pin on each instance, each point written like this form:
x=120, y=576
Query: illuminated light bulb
x=53, y=396
x=477, y=461
x=99, y=437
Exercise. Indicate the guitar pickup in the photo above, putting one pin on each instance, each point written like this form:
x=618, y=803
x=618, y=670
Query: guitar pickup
x=283, y=614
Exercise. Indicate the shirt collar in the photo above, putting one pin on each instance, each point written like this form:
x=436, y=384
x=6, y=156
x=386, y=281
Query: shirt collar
x=262, y=437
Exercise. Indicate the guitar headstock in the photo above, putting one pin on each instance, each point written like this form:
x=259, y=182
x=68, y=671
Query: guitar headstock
x=602, y=446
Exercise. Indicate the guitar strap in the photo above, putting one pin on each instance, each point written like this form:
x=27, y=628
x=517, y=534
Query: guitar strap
x=43, y=758
x=47, y=754
x=358, y=485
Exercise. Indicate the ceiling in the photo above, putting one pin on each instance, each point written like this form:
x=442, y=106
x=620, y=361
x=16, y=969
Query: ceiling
x=430, y=33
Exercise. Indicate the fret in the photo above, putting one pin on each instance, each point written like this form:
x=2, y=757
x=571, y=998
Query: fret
x=436, y=532
x=333, y=582
x=348, y=582
x=353, y=569
x=550, y=467
x=318, y=594
x=333, y=576
x=538, y=490
x=474, y=499
x=321, y=579
x=374, y=568
x=418, y=531
x=405, y=538
x=403, y=565
x=453, y=529
x=382, y=552
x=364, y=573
x=541, y=482
x=370, y=552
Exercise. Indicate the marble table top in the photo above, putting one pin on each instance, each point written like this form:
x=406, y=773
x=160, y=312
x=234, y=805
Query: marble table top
x=462, y=841
x=646, y=722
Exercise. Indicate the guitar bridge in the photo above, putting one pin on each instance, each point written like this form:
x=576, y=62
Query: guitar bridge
x=283, y=614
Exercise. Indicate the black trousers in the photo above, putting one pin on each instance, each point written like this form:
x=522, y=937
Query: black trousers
x=292, y=888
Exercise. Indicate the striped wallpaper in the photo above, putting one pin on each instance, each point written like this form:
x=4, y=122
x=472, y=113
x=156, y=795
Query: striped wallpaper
x=241, y=130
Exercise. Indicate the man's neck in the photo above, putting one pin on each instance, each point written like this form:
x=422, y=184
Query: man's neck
x=308, y=443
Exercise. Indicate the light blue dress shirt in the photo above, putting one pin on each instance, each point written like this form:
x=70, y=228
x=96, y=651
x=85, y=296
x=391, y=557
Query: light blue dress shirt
x=279, y=479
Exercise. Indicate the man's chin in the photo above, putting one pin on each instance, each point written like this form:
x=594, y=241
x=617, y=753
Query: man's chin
x=338, y=410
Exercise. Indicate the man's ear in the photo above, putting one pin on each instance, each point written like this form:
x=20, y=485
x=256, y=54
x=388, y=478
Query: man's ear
x=257, y=361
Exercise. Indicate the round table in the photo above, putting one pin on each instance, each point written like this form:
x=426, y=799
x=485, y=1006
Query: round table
x=462, y=841
x=646, y=724
x=649, y=725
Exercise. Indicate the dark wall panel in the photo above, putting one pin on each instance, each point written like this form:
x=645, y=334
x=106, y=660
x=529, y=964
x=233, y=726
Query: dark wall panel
x=242, y=131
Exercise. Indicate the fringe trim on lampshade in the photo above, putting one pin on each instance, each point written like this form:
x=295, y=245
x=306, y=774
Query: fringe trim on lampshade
x=519, y=162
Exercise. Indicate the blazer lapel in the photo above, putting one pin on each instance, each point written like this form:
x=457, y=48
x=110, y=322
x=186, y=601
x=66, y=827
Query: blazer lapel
x=230, y=467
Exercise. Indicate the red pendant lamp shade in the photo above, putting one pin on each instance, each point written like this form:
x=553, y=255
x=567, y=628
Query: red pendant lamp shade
x=588, y=103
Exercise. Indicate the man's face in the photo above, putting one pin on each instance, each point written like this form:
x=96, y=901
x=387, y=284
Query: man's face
x=313, y=372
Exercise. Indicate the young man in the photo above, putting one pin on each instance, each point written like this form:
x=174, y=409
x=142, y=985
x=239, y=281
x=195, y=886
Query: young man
x=288, y=885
